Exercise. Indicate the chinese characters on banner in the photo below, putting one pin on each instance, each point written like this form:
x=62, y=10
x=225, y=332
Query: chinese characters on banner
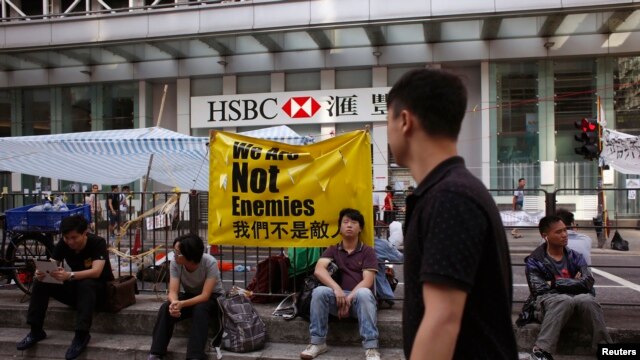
x=265, y=193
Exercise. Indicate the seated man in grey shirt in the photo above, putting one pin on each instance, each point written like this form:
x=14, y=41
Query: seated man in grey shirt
x=198, y=275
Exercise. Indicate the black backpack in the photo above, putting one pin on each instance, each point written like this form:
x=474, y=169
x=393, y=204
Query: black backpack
x=303, y=301
x=618, y=243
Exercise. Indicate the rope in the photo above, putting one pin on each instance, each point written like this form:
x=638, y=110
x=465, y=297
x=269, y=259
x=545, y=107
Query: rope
x=165, y=209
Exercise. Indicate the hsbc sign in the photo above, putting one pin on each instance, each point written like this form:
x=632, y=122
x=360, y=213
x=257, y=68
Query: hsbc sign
x=290, y=108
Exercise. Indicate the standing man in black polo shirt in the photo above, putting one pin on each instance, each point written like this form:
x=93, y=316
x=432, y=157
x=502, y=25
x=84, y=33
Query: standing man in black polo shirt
x=86, y=255
x=457, y=267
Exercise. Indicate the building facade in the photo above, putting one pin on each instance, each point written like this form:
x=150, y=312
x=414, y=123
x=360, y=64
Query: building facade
x=532, y=69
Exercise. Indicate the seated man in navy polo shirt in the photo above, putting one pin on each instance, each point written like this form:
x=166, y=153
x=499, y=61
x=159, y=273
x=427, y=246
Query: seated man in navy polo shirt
x=353, y=295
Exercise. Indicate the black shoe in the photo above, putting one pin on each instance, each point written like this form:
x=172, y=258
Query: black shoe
x=539, y=354
x=78, y=345
x=31, y=339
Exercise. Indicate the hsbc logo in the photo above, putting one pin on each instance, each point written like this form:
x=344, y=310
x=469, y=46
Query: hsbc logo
x=301, y=107
x=279, y=108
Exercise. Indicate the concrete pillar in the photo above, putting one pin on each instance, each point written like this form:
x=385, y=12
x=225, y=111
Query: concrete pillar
x=183, y=106
x=485, y=116
x=145, y=104
x=379, y=137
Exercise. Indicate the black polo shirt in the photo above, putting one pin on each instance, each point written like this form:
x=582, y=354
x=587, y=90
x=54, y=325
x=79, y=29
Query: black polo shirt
x=95, y=249
x=454, y=237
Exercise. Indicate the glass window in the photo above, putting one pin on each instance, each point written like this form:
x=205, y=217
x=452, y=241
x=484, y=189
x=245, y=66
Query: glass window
x=349, y=79
x=517, y=112
x=575, y=98
x=76, y=109
x=118, y=112
x=626, y=80
x=251, y=84
x=302, y=81
x=206, y=86
x=5, y=113
x=36, y=112
x=395, y=73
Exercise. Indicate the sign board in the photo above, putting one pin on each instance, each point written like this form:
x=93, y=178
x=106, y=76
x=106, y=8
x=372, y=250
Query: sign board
x=290, y=108
x=265, y=193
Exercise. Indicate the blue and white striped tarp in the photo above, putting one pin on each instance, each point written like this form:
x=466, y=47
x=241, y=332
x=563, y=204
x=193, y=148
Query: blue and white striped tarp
x=122, y=156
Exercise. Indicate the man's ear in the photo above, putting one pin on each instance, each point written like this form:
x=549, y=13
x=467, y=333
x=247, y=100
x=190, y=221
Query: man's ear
x=407, y=121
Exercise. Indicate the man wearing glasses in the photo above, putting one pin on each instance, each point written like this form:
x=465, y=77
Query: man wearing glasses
x=198, y=276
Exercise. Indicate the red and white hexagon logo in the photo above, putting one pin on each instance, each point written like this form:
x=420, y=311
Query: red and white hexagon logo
x=301, y=107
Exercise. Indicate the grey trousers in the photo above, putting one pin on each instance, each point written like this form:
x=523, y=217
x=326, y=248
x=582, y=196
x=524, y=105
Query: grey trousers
x=554, y=311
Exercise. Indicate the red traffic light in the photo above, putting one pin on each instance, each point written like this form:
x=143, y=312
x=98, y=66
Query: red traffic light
x=586, y=125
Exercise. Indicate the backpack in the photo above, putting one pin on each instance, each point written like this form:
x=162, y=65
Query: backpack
x=618, y=243
x=274, y=270
x=303, y=298
x=154, y=273
x=243, y=329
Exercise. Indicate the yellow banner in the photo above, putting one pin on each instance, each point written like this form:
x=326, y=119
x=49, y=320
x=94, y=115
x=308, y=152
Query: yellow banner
x=266, y=193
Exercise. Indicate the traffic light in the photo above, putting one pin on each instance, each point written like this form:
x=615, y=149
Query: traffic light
x=589, y=136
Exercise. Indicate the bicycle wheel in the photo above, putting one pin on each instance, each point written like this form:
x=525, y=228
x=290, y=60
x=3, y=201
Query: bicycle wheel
x=23, y=251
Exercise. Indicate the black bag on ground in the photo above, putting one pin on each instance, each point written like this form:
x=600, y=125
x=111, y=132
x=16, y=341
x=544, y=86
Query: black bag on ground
x=154, y=273
x=527, y=315
x=272, y=276
x=243, y=329
x=303, y=301
x=618, y=243
x=390, y=274
x=120, y=293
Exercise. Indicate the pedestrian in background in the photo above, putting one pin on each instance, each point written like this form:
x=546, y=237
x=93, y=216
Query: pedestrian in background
x=388, y=207
x=518, y=203
x=113, y=210
x=458, y=283
x=576, y=241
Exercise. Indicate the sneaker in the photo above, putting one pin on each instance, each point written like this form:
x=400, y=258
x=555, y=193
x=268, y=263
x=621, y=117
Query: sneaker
x=539, y=354
x=372, y=354
x=78, y=345
x=31, y=339
x=313, y=350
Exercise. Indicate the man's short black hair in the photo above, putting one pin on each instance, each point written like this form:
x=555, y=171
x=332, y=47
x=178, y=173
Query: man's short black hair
x=126, y=187
x=546, y=222
x=113, y=187
x=352, y=214
x=191, y=247
x=75, y=222
x=521, y=179
x=566, y=216
x=436, y=97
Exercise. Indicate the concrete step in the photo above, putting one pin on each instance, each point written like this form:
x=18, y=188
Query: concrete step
x=136, y=347
x=140, y=318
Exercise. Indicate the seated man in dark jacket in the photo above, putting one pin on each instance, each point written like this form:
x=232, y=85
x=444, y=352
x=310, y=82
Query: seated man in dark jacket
x=562, y=285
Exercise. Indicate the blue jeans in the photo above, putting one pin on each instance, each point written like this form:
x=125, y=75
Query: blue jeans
x=363, y=307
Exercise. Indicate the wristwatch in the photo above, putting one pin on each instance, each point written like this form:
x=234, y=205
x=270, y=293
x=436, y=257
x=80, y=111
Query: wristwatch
x=72, y=276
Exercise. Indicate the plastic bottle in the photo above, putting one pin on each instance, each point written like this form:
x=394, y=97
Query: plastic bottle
x=47, y=206
x=239, y=268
